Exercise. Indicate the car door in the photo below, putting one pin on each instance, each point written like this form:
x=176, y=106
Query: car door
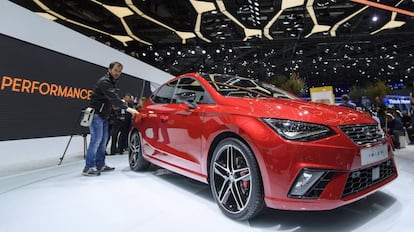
x=153, y=127
x=173, y=128
x=184, y=124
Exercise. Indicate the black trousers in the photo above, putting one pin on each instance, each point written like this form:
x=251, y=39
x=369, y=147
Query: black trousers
x=116, y=144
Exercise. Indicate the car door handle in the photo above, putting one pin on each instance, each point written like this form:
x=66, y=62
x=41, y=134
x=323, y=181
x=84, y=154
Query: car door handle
x=164, y=118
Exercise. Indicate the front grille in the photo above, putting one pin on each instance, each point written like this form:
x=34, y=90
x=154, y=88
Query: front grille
x=364, y=134
x=362, y=179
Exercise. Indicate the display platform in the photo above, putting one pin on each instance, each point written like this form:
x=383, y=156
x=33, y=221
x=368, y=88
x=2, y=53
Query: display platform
x=59, y=198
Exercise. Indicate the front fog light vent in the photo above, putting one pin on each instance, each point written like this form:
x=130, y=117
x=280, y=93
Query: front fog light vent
x=309, y=183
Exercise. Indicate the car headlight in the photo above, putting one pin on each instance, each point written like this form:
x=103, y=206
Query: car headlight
x=298, y=131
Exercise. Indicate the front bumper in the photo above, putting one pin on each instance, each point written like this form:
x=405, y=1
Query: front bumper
x=344, y=181
x=338, y=188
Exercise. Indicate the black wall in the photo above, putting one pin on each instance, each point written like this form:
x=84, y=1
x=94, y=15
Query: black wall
x=41, y=113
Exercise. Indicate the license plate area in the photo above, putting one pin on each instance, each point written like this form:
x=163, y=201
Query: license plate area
x=375, y=173
x=374, y=154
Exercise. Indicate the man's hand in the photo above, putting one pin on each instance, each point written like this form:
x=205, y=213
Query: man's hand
x=132, y=111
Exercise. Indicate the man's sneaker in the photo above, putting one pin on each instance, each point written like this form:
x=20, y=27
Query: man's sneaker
x=90, y=172
x=106, y=168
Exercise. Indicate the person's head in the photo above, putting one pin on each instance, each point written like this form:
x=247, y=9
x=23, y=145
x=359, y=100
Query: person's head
x=345, y=98
x=389, y=117
x=128, y=98
x=115, y=69
x=141, y=101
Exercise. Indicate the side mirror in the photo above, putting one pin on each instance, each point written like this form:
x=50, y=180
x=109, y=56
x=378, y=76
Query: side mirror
x=187, y=98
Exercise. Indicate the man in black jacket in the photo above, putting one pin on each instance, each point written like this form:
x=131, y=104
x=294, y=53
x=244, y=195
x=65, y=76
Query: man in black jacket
x=103, y=98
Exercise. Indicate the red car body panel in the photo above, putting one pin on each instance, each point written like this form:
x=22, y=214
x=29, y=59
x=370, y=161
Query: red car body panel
x=180, y=139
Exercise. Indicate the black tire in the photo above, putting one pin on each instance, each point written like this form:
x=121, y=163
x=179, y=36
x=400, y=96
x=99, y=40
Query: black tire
x=235, y=180
x=136, y=161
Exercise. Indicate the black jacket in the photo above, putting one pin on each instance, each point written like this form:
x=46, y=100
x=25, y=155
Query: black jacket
x=105, y=96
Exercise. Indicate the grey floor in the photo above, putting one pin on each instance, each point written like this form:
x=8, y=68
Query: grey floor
x=60, y=199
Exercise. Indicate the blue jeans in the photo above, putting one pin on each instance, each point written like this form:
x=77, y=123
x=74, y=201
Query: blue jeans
x=95, y=156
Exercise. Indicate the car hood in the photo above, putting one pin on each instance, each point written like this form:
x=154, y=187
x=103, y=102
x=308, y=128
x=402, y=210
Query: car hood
x=299, y=110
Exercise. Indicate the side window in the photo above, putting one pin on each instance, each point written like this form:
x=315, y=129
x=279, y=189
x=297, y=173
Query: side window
x=189, y=86
x=165, y=93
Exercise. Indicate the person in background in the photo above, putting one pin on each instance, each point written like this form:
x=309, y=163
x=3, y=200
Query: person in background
x=345, y=101
x=374, y=116
x=126, y=125
x=395, y=127
x=406, y=119
x=380, y=109
x=117, y=120
x=103, y=99
x=140, y=103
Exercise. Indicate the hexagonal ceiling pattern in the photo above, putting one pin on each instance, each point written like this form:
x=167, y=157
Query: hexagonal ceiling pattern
x=328, y=42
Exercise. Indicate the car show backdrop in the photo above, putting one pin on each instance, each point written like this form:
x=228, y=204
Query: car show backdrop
x=42, y=92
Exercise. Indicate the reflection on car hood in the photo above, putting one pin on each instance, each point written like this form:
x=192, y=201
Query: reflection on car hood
x=300, y=111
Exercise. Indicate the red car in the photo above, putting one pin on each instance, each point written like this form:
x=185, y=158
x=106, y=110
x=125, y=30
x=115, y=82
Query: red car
x=258, y=146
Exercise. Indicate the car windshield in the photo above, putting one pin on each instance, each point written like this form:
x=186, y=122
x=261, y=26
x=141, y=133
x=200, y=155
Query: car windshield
x=235, y=86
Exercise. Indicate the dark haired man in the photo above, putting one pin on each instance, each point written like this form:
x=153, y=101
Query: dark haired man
x=103, y=99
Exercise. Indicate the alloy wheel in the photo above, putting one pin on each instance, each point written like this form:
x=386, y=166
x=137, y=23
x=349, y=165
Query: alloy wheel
x=134, y=149
x=232, y=179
